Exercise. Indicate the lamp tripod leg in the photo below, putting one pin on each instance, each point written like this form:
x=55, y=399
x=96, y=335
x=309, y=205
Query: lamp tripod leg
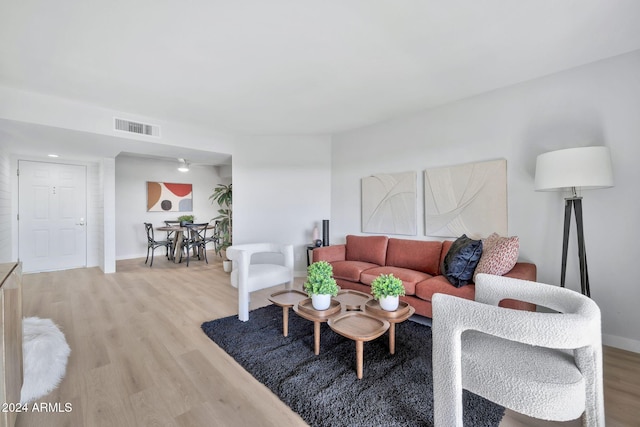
x=568, y=204
x=582, y=254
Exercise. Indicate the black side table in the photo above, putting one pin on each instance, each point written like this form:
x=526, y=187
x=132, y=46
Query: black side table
x=310, y=249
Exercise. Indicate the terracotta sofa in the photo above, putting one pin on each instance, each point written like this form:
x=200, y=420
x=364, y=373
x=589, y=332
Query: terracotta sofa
x=417, y=262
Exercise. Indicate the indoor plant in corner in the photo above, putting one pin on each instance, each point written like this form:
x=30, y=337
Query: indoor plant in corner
x=223, y=196
x=320, y=284
x=387, y=289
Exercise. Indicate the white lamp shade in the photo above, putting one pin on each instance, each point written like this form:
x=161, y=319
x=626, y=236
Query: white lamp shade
x=584, y=168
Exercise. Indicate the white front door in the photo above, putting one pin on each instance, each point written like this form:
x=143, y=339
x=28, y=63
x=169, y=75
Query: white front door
x=52, y=211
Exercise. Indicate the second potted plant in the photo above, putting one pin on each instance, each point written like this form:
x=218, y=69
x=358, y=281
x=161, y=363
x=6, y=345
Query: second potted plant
x=387, y=289
x=223, y=196
x=320, y=284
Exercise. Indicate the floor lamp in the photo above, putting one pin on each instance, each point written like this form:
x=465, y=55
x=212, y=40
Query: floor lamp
x=572, y=170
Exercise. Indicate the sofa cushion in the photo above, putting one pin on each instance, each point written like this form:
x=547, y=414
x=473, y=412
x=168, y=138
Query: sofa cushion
x=440, y=284
x=350, y=270
x=446, y=245
x=461, y=260
x=409, y=277
x=417, y=255
x=329, y=253
x=499, y=255
x=371, y=249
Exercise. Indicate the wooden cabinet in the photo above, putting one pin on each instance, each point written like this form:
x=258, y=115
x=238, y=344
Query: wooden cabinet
x=11, y=340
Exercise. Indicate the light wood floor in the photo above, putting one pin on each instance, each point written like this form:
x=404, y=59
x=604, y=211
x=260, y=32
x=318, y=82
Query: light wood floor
x=139, y=357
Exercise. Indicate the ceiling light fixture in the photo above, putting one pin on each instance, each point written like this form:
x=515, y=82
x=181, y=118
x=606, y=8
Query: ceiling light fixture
x=184, y=166
x=53, y=155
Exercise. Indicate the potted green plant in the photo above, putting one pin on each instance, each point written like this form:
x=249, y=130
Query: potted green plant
x=223, y=196
x=320, y=284
x=186, y=219
x=387, y=289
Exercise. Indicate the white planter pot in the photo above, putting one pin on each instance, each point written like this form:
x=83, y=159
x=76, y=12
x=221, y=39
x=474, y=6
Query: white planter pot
x=321, y=301
x=226, y=266
x=389, y=303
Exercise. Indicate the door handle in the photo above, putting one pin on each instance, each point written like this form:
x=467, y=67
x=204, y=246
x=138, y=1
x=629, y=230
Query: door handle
x=81, y=222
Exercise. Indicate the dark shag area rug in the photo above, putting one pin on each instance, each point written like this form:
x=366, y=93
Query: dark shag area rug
x=396, y=390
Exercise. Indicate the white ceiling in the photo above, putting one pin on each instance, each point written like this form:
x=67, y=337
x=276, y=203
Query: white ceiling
x=291, y=66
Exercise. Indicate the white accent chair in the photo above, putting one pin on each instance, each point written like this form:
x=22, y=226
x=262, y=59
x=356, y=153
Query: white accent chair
x=544, y=365
x=248, y=277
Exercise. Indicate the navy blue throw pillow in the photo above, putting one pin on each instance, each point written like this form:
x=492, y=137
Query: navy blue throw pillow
x=461, y=260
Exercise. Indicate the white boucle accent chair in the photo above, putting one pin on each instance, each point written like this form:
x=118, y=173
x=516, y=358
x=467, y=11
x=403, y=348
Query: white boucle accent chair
x=544, y=365
x=248, y=277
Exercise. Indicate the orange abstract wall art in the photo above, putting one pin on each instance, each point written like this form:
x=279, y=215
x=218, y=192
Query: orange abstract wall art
x=169, y=197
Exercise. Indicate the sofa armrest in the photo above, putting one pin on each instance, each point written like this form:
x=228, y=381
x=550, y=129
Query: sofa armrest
x=524, y=271
x=330, y=253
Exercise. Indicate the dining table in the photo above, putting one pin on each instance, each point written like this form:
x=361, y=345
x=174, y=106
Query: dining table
x=179, y=235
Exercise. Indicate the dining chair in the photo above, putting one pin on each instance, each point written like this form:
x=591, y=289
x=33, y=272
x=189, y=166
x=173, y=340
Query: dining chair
x=215, y=237
x=172, y=235
x=545, y=365
x=195, y=238
x=153, y=244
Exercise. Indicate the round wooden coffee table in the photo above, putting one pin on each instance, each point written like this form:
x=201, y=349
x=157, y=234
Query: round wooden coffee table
x=352, y=300
x=360, y=327
x=305, y=310
x=287, y=299
x=403, y=312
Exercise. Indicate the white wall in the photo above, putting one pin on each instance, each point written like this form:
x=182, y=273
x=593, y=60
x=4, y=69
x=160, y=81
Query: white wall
x=132, y=174
x=597, y=104
x=106, y=214
x=281, y=190
x=95, y=241
x=5, y=207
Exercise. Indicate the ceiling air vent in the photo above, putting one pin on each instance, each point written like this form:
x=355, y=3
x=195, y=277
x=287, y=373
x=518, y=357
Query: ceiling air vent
x=135, y=127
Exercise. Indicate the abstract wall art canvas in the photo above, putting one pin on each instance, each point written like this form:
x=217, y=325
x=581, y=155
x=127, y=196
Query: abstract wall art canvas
x=466, y=199
x=169, y=197
x=389, y=203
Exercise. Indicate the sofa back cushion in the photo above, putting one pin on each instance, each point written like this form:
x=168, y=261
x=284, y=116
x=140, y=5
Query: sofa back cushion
x=461, y=260
x=371, y=249
x=417, y=255
x=446, y=245
x=499, y=255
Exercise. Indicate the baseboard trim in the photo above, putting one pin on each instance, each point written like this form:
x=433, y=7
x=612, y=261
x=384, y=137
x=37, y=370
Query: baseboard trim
x=621, y=343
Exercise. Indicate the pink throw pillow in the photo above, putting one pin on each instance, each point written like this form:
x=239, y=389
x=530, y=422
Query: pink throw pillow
x=499, y=255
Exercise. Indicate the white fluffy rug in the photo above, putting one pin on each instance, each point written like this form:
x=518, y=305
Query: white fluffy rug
x=45, y=352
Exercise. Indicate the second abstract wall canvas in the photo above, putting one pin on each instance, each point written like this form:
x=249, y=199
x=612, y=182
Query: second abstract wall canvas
x=466, y=199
